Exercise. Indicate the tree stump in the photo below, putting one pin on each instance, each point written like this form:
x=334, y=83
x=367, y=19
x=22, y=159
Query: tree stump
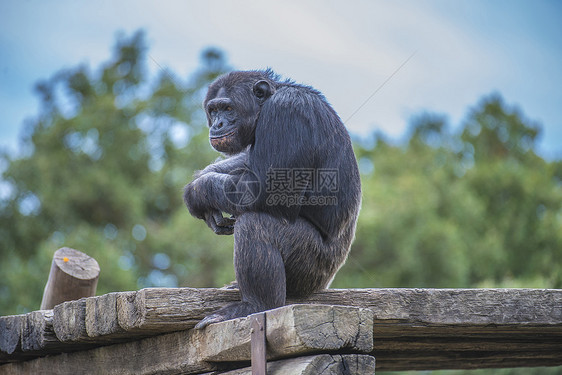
x=73, y=275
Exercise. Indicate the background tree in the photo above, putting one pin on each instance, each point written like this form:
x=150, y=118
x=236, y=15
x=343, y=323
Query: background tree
x=102, y=170
x=476, y=207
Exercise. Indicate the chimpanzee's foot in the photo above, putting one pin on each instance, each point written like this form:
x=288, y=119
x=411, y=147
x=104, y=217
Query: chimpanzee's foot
x=231, y=285
x=233, y=311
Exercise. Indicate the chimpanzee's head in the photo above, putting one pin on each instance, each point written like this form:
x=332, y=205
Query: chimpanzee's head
x=233, y=104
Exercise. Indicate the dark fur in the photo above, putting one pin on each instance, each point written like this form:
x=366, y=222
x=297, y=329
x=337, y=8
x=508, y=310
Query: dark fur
x=264, y=123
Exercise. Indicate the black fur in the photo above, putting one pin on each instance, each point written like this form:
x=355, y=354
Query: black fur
x=266, y=125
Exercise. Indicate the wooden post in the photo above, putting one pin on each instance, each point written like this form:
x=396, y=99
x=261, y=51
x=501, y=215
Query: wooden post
x=258, y=344
x=73, y=275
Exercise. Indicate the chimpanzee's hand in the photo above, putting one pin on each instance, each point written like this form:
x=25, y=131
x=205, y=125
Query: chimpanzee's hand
x=218, y=223
x=194, y=196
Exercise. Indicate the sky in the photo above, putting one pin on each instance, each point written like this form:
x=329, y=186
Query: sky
x=379, y=63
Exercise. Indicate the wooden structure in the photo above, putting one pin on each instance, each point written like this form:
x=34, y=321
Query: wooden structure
x=332, y=332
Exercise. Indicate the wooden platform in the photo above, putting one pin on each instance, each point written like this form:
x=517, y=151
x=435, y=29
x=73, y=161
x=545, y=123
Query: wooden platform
x=149, y=332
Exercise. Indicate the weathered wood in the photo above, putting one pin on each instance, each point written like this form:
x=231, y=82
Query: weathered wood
x=102, y=319
x=477, y=307
x=323, y=364
x=35, y=336
x=159, y=309
x=73, y=275
x=443, y=360
x=37, y=331
x=429, y=316
x=69, y=321
x=291, y=331
x=422, y=328
x=295, y=330
x=258, y=344
x=10, y=337
x=10, y=333
x=170, y=309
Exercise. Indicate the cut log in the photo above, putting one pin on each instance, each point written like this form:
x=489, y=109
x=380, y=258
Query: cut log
x=70, y=321
x=35, y=335
x=102, y=318
x=73, y=275
x=10, y=333
x=10, y=337
x=37, y=331
x=290, y=331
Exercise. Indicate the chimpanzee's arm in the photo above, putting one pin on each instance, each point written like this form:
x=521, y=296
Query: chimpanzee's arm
x=205, y=196
x=228, y=165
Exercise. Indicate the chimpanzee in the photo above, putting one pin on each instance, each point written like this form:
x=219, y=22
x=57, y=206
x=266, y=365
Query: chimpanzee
x=290, y=183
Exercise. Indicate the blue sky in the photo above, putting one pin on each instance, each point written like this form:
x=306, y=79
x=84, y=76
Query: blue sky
x=464, y=49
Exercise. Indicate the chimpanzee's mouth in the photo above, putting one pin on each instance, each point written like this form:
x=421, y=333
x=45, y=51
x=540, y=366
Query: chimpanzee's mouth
x=223, y=136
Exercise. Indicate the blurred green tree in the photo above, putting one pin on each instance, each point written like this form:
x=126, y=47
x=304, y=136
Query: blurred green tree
x=477, y=207
x=102, y=170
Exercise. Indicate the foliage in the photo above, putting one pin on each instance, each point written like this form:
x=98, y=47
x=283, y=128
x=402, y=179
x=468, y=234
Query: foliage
x=102, y=171
x=472, y=208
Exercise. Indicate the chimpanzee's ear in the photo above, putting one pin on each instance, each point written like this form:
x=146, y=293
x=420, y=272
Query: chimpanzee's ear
x=263, y=90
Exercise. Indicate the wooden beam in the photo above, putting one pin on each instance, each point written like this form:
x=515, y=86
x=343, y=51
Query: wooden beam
x=426, y=329
x=434, y=328
x=295, y=330
x=323, y=364
x=291, y=331
x=170, y=309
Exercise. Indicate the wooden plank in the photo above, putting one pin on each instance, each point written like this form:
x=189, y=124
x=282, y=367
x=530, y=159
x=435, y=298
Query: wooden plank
x=170, y=309
x=291, y=331
x=158, y=310
x=439, y=307
x=295, y=330
x=447, y=360
x=323, y=364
